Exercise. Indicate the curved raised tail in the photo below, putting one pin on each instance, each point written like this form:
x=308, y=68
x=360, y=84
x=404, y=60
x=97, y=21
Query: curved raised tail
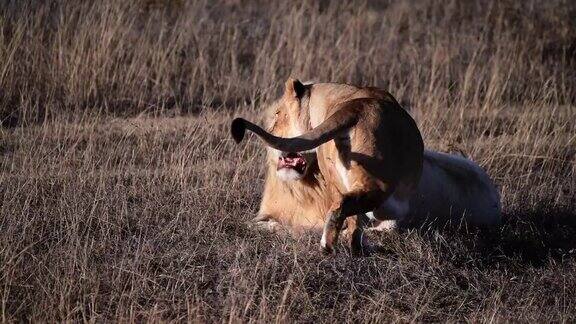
x=341, y=121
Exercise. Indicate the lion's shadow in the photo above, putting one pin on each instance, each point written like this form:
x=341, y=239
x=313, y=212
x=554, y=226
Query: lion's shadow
x=532, y=237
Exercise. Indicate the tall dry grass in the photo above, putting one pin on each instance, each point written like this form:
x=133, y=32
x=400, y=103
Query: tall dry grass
x=123, y=197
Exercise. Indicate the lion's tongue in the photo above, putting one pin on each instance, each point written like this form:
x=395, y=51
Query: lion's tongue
x=293, y=162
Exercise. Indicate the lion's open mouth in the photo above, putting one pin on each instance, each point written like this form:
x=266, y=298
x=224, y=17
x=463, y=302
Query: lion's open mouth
x=294, y=161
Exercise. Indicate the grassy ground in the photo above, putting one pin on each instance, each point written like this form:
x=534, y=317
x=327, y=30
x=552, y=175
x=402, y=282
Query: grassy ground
x=123, y=196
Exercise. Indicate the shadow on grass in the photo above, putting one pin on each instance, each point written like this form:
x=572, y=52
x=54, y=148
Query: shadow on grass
x=532, y=237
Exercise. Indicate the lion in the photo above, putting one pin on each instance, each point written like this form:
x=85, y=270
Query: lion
x=337, y=150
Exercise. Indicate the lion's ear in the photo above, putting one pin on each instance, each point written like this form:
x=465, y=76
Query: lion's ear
x=294, y=88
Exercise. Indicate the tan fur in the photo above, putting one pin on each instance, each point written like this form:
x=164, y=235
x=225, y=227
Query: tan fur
x=369, y=151
x=297, y=205
x=367, y=160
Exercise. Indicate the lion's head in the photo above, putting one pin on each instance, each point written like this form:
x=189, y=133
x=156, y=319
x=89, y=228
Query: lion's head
x=288, y=117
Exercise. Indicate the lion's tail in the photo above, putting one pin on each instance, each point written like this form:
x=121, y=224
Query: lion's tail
x=341, y=121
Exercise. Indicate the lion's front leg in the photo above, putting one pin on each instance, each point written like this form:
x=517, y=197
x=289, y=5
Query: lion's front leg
x=265, y=222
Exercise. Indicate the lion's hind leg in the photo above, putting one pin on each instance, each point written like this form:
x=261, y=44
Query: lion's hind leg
x=364, y=196
x=359, y=244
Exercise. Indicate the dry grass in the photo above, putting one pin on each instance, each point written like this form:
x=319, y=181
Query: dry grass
x=123, y=198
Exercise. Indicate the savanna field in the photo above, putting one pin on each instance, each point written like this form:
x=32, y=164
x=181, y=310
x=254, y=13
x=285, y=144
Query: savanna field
x=124, y=198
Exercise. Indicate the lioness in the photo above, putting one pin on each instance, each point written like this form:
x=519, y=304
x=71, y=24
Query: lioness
x=340, y=150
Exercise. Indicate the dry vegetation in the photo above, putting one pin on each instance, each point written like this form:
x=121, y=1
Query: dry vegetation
x=123, y=198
